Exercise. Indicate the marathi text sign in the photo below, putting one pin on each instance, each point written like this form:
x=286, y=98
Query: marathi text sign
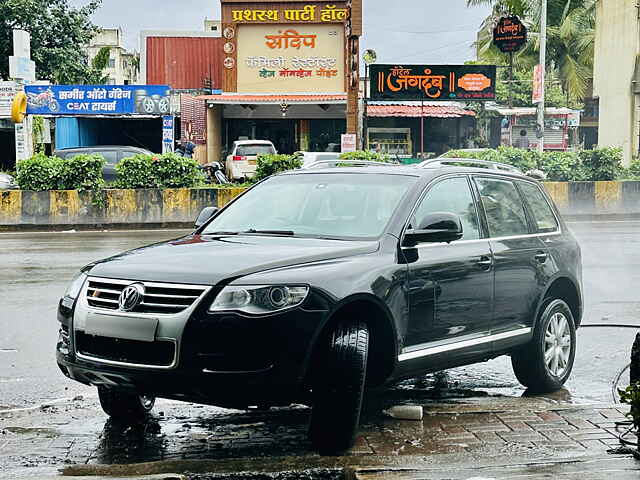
x=7, y=92
x=98, y=99
x=308, y=13
x=433, y=82
x=509, y=35
x=290, y=58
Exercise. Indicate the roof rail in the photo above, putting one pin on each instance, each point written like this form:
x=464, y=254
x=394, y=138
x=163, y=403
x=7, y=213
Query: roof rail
x=483, y=163
x=344, y=163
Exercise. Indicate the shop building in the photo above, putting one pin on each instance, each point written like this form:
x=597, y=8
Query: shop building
x=289, y=75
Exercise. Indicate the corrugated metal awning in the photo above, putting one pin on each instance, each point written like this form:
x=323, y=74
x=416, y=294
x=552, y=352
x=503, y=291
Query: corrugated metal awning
x=432, y=111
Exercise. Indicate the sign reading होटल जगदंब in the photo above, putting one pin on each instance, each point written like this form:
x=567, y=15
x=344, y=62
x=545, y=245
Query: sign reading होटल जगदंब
x=290, y=58
x=433, y=82
x=98, y=99
x=509, y=34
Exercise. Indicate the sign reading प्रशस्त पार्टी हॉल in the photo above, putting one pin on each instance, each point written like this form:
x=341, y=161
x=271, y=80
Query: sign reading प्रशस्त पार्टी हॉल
x=433, y=82
x=98, y=99
x=290, y=58
x=309, y=13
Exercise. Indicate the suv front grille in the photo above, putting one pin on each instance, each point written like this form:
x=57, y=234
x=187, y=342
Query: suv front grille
x=167, y=298
x=160, y=353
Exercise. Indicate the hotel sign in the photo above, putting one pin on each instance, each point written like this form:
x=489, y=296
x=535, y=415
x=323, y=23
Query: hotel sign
x=433, y=82
x=509, y=35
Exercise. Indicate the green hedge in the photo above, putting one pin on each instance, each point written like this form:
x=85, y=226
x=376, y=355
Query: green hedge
x=586, y=165
x=271, y=164
x=159, y=171
x=365, y=155
x=81, y=172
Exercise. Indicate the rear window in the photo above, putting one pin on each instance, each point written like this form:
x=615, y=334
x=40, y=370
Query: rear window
x=542, y=213
x=255, y=149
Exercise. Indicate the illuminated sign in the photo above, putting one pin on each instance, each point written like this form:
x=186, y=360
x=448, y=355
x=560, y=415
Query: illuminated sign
x=433, y=82
x=290, y=58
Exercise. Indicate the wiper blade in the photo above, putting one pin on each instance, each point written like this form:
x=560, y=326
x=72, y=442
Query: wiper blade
x=221, y=232
x=271, y=232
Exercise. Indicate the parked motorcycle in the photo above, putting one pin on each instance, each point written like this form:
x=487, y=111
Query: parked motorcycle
x=215, y=173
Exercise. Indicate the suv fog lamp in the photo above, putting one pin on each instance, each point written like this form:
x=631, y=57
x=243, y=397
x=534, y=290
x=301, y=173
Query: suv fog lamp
x=259, y=299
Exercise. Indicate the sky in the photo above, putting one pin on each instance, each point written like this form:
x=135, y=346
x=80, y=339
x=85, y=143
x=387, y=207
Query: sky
x=412, y=31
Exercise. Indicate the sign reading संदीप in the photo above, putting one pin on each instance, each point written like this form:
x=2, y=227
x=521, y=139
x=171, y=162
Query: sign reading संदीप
x=433, y=82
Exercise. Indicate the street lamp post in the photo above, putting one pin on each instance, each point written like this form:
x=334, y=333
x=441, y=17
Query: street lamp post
x=543, y=60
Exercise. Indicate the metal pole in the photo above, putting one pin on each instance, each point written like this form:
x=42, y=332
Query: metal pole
x=510, y=79
x=543, y=61
x=365, y=120
x=422, y=129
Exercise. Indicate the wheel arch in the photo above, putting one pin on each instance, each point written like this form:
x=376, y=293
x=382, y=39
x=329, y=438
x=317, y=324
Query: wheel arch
x=383, y=345
x=564, y=288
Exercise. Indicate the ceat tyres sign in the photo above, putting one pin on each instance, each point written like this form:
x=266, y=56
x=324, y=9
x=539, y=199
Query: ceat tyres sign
x=98, y=99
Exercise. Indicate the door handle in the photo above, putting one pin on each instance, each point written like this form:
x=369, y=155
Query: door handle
x=541, y=257
x=485, y=262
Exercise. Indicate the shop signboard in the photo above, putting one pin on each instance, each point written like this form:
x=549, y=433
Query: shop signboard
x=289, y=12
x=7, y=92
x=347, y=142
x=290, y=58
x=98, y=99
x=538, y=81
x=433, y=82
x=167, y=133
x=509, y=35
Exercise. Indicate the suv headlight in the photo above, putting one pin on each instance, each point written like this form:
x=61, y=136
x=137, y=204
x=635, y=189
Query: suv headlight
x=73, y=290
x=259, y=299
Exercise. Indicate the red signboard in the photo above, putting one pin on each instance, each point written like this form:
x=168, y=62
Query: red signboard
x=538, y=82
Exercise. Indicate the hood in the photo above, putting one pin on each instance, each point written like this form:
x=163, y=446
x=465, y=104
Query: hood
x=208, y=260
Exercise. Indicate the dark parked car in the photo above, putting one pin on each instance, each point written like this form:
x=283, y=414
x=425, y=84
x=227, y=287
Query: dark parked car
x=111, y=153
x=316, y=284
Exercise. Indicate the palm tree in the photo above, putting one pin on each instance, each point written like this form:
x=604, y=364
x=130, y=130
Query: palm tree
x=570, y=39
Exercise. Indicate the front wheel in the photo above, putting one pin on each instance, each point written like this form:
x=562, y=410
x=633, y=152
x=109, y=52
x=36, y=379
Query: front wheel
x=125, y=405
x=545, y=363
x=338, y=388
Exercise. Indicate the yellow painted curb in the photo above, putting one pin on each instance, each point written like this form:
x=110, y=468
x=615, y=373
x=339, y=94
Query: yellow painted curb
x=120, y=204
x=225, y=195
x=607, y=195
x=11, y=206
x=559, y=193
x=64, y=203
x=176, y=202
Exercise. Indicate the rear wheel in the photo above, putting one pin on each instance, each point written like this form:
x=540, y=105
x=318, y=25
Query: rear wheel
x=125, y=405
x=338, y=388
x=545, y=363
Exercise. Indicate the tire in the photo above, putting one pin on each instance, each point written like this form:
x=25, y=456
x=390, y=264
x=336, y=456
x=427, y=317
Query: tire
x=125, y=405
x=338, y=389
x=221, y=178
x=555, y=333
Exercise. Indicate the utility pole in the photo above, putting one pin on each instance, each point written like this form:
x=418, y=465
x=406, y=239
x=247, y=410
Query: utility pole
x=543, y=62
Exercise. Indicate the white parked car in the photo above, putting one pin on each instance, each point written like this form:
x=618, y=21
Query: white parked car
x=241, y=162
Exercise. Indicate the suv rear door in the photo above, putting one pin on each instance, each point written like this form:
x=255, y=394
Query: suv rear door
x=519, y=257
x=450, y=285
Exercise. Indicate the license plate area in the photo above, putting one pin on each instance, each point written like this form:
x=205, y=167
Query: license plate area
x=129, y=328
x=252, y=162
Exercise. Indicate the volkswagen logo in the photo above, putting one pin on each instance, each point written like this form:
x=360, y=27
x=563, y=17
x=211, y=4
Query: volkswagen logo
x=131, y=297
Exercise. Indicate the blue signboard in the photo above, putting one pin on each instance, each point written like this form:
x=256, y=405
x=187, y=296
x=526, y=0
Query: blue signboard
x=98, y=99
x=167, y=133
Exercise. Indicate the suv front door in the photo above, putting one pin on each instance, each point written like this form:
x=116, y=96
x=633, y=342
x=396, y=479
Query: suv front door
x=450, y=284
x=519, y=257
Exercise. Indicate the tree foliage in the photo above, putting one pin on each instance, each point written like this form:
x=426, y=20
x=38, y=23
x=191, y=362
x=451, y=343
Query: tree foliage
x=58, y=34
x=98, y=64
x=570, y=39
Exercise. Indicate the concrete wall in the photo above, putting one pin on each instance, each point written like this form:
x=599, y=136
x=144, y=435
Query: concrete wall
x=26, y=209
x=617, y=45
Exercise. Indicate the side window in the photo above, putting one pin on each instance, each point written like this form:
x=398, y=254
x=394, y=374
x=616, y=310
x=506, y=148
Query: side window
x=542, y=213
x=111, y=156
x=503, y=206
x=454, y=196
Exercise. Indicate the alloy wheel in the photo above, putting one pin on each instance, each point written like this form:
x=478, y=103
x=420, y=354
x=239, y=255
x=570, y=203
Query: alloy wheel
x=557, y=345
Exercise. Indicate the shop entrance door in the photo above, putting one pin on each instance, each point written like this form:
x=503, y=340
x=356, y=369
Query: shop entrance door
x=281, y=132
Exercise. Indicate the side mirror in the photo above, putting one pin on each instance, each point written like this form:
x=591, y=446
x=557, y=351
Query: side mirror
x=435, y=227
x=205, y=214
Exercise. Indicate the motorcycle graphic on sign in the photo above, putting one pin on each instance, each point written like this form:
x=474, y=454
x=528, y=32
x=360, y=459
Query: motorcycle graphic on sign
x=45, y=99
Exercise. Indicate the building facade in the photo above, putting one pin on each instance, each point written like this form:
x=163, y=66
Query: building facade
x=123, y=66
x=617, y=75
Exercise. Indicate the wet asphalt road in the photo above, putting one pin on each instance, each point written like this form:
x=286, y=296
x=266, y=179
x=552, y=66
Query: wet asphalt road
x=35, y=269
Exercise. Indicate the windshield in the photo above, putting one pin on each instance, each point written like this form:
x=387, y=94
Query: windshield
x=255, y=149
x=325, y=205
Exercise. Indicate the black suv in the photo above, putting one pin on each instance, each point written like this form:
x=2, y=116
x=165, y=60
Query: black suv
x=316, y=284
x=111, y=153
